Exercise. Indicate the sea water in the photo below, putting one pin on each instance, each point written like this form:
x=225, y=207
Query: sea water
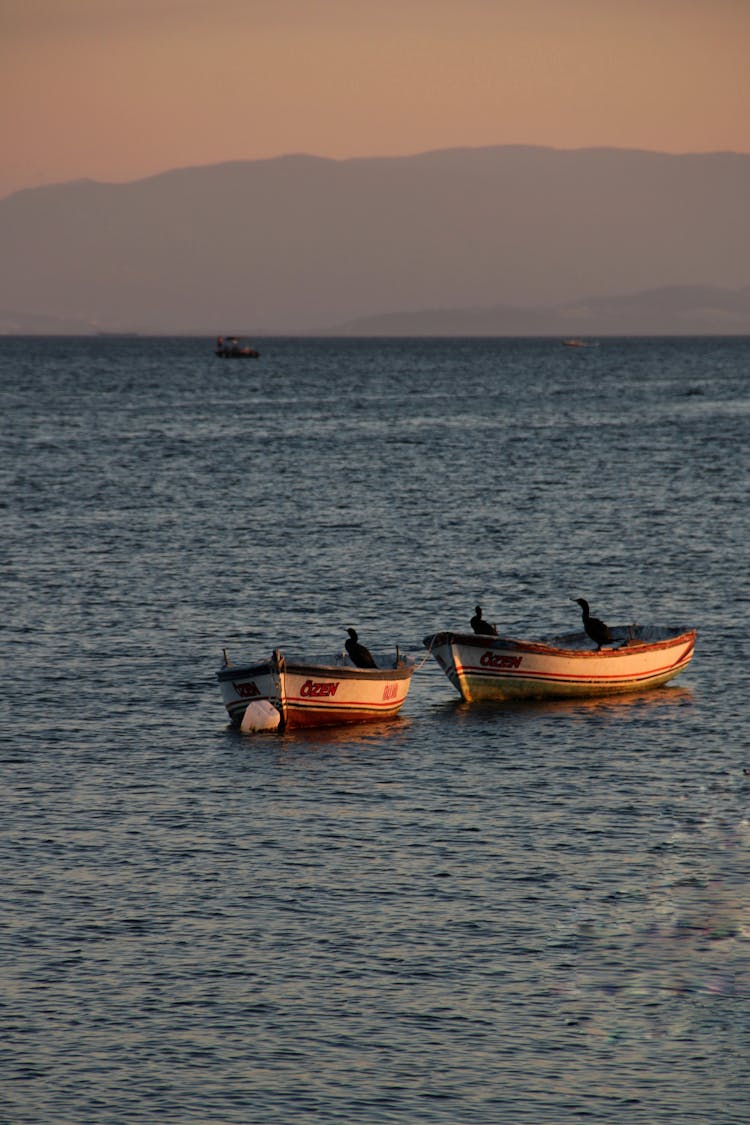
x=471, y=915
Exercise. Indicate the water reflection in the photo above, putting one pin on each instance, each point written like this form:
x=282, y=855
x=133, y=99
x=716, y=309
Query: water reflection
x=349, y=736
x=611, y=706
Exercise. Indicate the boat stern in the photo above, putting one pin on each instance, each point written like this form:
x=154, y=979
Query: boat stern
x=243, y=685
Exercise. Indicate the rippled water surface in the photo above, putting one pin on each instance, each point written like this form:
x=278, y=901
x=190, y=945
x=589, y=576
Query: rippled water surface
x=534, y=915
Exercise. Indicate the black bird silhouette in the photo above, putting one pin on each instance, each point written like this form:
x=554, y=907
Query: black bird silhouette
x=479, y=625
x=596, y=629
x=360, y=655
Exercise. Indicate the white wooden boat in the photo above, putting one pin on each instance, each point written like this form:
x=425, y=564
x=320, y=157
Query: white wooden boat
x=310, y=693
x=484, y=668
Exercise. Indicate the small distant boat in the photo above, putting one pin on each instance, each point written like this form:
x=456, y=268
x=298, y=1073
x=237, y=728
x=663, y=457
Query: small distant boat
x=575, y=342
x=232, y=347
x=484, y=668
x=309, y=693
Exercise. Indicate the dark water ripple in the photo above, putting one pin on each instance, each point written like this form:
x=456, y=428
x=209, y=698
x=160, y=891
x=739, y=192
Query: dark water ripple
x=524, y=914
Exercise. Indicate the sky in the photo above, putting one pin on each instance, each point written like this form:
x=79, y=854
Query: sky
x=116, y=90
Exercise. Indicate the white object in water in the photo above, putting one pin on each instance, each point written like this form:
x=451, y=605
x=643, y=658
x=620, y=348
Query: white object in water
x=260, y=715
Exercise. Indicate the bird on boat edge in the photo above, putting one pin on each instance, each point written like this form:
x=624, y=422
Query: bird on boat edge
x=596, y=629
x=479, y=625
x=358, y=653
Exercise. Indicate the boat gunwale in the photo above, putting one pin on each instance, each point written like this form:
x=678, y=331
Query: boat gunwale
x=628, y=646
x=327, y=671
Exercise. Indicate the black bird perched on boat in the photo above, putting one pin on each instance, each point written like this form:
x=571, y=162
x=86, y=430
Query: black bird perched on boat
x=596, y=629
x=359, y=655
x=479, y=625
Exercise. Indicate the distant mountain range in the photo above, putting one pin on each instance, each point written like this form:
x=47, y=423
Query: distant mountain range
x=495, y=241
x=678, y=310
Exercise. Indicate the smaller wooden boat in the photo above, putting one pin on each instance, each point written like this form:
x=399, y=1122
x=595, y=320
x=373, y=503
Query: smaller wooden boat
x=576, y=342
x=483, y=668
x=311, y=693
x=232, y=348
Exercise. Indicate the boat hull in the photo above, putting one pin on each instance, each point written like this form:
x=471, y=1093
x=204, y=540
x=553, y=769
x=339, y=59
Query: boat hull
x=502, y=668
x=316, y=695
x=243, y=353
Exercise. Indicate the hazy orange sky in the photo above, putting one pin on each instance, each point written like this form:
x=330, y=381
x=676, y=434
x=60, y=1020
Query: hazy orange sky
x=119, y=89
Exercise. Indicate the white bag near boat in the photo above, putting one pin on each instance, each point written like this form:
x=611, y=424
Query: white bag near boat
x=260, y=715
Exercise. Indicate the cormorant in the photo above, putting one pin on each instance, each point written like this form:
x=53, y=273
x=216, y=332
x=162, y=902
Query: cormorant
x=479, y=625
x=359, y=655
x=595, y=628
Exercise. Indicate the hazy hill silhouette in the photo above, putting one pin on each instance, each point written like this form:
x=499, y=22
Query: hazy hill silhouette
x=508, y=236
x=678, y=310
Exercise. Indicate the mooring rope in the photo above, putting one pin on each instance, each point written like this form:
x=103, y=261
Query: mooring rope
x=422, y=662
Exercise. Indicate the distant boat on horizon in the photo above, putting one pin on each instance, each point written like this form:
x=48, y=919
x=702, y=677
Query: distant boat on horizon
x=232, y=347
